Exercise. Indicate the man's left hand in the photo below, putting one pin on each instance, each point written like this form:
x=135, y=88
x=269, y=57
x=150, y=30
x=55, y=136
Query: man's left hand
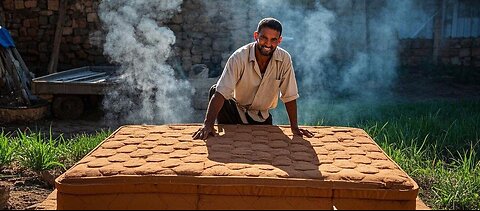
x=302, y=132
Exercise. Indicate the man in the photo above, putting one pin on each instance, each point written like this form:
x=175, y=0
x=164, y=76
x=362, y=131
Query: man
x=250, y=84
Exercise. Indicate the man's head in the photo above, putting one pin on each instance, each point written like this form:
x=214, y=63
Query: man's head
x=268, y=35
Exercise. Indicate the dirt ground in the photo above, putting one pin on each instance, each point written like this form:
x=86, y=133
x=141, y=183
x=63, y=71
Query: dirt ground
x=28, y=190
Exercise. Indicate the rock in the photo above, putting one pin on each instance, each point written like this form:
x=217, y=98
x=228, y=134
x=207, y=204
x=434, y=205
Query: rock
x=4, y=194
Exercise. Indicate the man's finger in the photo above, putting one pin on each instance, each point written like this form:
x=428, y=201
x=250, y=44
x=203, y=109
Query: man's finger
x=196, y=135
x=309, y=134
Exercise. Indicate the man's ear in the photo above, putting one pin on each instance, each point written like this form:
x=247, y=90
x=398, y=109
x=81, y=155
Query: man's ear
x=255, y=35
x=280, y=40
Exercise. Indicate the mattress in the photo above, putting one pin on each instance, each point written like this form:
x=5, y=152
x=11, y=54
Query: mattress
x=242, y=167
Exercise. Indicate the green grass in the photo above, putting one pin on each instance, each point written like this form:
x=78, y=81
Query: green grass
x=75, y=149
x=7, y=151
x=435, y=142
x=37, y=153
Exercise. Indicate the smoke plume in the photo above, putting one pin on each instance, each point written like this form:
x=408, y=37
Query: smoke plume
x=138, y=41
x=344, y=52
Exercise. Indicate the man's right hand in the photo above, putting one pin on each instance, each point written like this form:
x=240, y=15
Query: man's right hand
x=204, y=132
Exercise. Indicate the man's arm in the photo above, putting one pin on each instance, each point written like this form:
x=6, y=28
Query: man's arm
x=292, y=115
x=213, y=109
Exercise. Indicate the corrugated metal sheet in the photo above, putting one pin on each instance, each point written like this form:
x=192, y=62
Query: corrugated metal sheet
x=461, y=20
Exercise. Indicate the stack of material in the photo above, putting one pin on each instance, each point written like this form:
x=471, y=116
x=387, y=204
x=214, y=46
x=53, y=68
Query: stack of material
x=15, y=78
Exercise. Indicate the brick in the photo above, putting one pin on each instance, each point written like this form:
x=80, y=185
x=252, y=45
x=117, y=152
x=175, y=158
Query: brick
x=67, y=31
x=476, y=52
x=19, y=4
x=53, y=5
x=31, y=4
x=466, y=43
x=455, y=61
x=91, y=17
x=79, y=23
x=77, y=40
x=9, y=4
x=465, y=52
x=46, y=13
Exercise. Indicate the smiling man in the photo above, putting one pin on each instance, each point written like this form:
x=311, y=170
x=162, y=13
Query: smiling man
x=250, y=84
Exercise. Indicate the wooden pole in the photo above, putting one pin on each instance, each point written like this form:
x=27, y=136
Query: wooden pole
x=440, y=6
x=27, y=74
x=11, y=69
x=7, y=78
x=52, y=66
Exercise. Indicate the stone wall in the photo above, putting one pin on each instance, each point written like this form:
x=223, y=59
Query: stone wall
x=32, y=24
x=454, y=52
x=206, y=34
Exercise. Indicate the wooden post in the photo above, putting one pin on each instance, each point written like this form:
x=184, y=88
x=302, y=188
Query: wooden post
x=367, y=33
x=52, y=66
x=13, y=72
x=440, y=7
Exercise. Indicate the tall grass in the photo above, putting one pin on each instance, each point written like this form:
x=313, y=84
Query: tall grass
x=37, y=153
x=7, y=150
x=435, y=142
x=75, y=149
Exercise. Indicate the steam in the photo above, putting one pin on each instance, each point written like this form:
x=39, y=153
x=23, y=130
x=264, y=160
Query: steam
x=342, y=57
x=140, y=43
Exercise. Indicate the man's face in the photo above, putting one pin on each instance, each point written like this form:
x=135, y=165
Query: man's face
x=267, y=40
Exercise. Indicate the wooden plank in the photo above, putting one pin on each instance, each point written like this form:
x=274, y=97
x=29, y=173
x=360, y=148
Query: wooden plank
x=8, y=83
x=26, y=71
x=11, y=69
x=52, y=66
x=26, y=94
x=437, y=32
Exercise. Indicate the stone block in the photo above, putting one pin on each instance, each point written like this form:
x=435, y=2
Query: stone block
x=8, y=4
x=466, y=43
x=81, y=54
x=476, y=43
x=455, y=61
x=196, y=59
x=42, y=21
x=477, y=63
x=67, y=31
x=53, y=5
x=464, y=52
x=476, y=52
x=92, y=17
x=77, y=40
x=46, y=12
x=19, y=4
x=31, y=4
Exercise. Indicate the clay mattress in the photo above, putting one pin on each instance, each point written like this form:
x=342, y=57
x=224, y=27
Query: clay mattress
x=243, y=167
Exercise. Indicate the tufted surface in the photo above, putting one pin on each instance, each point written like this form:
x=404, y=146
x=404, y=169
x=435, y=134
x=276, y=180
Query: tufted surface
x=343, y=162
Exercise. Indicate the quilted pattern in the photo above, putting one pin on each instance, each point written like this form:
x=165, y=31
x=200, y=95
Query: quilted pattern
x=333, y=154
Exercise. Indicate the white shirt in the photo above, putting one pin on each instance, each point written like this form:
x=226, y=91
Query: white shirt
x=242, y=80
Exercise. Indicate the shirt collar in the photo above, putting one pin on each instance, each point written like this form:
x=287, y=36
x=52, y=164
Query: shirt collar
x=276, y=54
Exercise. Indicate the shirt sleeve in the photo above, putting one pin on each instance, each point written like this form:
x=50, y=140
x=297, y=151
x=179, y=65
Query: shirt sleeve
x=228, y=80
x=288, y=84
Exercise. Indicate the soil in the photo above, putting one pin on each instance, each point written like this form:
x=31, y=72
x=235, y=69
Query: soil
x=28, y=189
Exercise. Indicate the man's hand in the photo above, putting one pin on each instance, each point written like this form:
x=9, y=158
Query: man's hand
x=301, y=132
x=204, y=132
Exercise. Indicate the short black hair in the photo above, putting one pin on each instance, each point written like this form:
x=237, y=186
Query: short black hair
x=270, y=23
